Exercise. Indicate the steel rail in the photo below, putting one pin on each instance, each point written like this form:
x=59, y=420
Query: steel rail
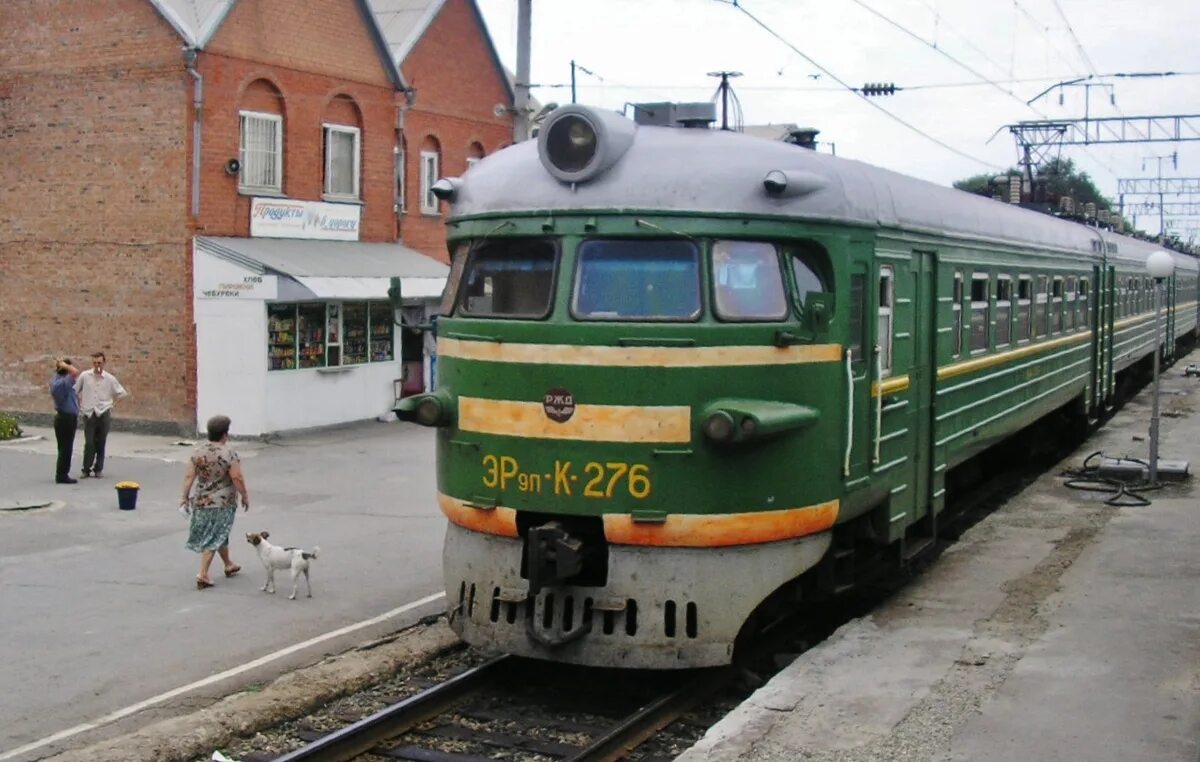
x=640, y=726
x=364, y=735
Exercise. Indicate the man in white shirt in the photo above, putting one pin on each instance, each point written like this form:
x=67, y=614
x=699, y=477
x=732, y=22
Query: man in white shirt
x=98, y=390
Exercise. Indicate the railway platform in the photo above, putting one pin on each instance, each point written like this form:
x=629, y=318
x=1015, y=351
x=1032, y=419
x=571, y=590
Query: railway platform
x=1058, y=628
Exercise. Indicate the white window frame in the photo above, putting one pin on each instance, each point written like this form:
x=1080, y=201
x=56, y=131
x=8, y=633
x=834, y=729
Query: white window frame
x=956, y=309
x=356, y=168
x=1004, y=289
x=430, y=169
x=984, y=305
x=244, y=117
x=886, y=299
x=1025, y=305
x=1057, y=289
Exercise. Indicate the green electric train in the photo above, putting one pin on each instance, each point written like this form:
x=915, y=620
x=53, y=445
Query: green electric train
x=685, y=375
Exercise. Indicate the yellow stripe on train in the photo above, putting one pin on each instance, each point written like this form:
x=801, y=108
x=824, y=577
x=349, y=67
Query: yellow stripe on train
x=588, y=423
x=638, y=357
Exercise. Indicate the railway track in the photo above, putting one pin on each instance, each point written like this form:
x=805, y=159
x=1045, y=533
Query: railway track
x=486, y=709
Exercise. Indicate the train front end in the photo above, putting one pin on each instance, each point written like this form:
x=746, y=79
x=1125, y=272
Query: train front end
x=636, y=418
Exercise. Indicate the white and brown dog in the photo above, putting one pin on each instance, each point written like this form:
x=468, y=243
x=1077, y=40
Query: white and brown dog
x=274, y=557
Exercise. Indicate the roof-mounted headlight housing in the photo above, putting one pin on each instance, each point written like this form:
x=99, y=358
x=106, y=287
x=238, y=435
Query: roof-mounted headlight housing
x=577, y=143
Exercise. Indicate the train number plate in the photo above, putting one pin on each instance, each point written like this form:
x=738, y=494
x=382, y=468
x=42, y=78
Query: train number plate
x=602, y=480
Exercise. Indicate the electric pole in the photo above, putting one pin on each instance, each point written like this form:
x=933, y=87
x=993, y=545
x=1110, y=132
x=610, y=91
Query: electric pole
x=1174, y=157
x=521, y=86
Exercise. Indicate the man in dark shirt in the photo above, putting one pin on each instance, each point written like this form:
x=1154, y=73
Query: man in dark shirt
x=66, y=416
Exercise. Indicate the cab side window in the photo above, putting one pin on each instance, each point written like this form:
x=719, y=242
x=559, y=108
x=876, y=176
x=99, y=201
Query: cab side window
x=747, y=282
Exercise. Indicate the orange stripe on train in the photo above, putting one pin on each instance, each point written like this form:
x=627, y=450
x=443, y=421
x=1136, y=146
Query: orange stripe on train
x=680, y=531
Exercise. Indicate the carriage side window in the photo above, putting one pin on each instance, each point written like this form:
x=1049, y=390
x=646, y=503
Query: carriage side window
x=511, y=278
x=1056, y=304
x=1069, y=297
x=887, y=300
x=1039, y=306
x=747, y=283
x=625, y=279
x=956, y=309
x=979, y=312
x=1085, y=317
x=1003, y=310
x=1024, y=308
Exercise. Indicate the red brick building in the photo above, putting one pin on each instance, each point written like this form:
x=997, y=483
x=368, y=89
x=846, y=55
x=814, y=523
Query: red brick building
x=215, y=193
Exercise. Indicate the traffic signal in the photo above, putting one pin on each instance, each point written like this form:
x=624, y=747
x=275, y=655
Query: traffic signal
x=878, y=88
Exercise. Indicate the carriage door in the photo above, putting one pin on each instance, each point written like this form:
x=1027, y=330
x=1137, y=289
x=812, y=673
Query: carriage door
x=922, y=377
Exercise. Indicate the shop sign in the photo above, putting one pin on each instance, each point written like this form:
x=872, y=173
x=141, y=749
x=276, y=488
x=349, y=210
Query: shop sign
x=284, y=218
x=244, y=287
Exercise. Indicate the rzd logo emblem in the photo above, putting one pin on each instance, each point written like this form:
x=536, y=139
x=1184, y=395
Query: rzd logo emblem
x=559, y=405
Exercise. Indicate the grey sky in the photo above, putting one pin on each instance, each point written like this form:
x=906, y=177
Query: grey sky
x=646, y=50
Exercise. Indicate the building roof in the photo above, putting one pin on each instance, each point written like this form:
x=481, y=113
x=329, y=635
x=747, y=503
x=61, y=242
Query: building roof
x=704, y=171
x=403, y=23
x=197, y=21
x=334, y=269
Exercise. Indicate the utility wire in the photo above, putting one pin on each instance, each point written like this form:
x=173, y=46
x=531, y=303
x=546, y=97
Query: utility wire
x=736, y=4
x=956, y=61
x=928, y=86
x=940, y=22
x=1078, y=45
x=1041, y=29
x=1010, y=93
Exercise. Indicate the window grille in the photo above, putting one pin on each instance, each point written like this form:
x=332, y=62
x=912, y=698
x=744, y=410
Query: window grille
x=261, y=152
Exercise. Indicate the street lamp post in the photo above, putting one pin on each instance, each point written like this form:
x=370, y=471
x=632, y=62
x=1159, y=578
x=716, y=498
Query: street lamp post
x=1160, y=265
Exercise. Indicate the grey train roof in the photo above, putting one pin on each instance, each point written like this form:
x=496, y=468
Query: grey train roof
x=670, y=169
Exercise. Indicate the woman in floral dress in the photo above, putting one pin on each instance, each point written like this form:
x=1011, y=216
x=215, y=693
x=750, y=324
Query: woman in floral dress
x=216, y=472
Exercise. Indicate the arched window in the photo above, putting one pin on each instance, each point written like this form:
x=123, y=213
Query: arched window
x=431, y=161
x=474, y=154
x=342, y=125
x=260, y=143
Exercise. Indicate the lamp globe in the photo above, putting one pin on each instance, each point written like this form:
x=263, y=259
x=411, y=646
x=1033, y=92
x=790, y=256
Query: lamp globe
x=1160, y=265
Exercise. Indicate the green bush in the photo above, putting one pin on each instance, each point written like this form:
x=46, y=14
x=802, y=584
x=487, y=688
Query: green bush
x=10, y=427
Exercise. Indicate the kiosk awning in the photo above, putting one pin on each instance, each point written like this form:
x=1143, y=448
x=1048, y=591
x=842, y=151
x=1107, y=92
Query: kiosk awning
x=333, y=270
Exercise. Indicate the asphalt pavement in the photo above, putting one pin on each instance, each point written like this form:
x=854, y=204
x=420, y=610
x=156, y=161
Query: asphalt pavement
x=103, y=627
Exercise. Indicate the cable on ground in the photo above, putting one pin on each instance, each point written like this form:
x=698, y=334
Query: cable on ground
x=1124, y=494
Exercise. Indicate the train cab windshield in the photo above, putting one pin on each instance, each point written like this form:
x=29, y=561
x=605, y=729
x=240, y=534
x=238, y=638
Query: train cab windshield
x=637, y=280
x=509, y=278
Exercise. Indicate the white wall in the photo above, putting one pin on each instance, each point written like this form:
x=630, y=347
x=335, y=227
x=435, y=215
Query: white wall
x=231, y=347
x=232, y=376
x=307, y=397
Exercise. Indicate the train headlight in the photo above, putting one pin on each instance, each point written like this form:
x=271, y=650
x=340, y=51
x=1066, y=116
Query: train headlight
x=571, y=143
x=433, y=409
x=738, y=420
x=719, y=426
x=577, y=143
x=429, y=411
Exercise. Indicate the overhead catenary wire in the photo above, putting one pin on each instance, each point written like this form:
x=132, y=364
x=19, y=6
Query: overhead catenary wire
x=1078, y=45
x=736, y=4
x=972, y=71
